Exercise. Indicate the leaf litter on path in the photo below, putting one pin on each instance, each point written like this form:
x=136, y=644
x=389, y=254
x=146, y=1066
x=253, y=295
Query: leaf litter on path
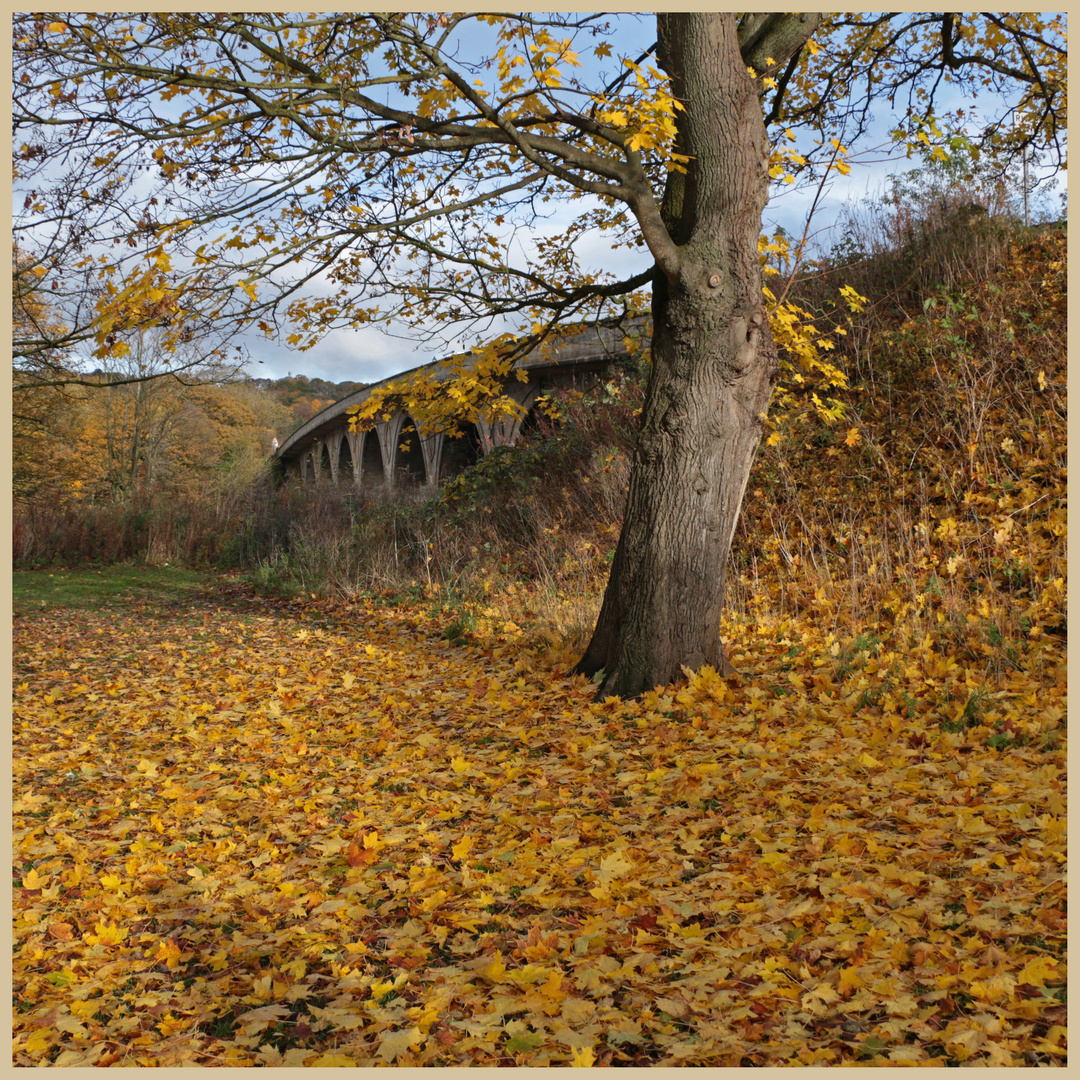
x=302, y=839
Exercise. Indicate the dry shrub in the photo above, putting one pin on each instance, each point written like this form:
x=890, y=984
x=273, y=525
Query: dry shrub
x=950, y=225
x=937, y=507
x=226, y=526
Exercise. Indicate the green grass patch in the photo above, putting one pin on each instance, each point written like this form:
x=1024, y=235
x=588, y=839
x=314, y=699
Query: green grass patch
x=104, y=589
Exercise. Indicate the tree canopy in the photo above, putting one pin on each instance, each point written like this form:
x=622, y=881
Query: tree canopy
x=345, y=169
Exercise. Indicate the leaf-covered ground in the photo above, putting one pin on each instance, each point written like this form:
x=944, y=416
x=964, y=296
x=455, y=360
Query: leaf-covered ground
x=253, y=833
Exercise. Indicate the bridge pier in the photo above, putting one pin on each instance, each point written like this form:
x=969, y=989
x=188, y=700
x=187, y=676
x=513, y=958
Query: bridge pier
x=331, y=450
x=504, y=430
x=429, y=457
x=431, y=446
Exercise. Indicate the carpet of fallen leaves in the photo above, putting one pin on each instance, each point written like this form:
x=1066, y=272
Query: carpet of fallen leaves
x=255, y=833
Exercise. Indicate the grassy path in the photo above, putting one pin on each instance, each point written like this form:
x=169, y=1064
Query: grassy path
x=259, y=833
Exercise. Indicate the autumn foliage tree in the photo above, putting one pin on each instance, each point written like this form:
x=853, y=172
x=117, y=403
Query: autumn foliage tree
x=349, y=169
x=38, y=409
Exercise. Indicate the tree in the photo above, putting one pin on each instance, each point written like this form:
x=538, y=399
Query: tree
x=143, y=402
x=39, y=410
x=397, y=155
x=54, y=325
x=119, y=443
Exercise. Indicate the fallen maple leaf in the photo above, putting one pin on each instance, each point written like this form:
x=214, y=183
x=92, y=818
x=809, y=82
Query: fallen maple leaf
x=583, y=1057
x=616, y=865
x=397, y=1044
x=169, y=952
x=33, y=880
x=332, y=1061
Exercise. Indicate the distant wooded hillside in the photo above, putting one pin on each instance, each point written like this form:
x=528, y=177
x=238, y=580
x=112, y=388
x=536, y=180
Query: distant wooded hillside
x=304, y=397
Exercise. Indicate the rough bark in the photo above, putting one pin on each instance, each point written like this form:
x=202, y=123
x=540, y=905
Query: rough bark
x=713, y=371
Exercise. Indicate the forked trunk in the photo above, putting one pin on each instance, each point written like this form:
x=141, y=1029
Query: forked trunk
x=713, y=371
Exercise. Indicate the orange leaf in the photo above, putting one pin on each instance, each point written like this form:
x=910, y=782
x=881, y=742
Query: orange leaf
x=168, y=951
x=357, y=855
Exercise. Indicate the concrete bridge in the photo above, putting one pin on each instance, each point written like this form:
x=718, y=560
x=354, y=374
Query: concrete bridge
x=324, y=451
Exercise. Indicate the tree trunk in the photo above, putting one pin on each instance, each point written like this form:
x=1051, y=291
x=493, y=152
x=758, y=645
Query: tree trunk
x=713, y=371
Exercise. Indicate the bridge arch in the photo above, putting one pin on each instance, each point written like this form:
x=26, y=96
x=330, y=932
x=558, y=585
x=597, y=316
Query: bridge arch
x=409, y=468
x=372, y=467
x=346, y=472
x=459, y=451
x=531, y=423
x=505, y=430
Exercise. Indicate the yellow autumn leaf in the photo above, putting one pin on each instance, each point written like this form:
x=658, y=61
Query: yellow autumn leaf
x=333, y=1061
x=168, y=952
x=616, y=865
x=1038, y=970
x=583, y=1057
x=170, y=1025
x=818, y=999
x=106, y=934
x=495, y=970
x=398, y=1044
x=34, y=880
x=675, y=1007
x=39, y=1040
